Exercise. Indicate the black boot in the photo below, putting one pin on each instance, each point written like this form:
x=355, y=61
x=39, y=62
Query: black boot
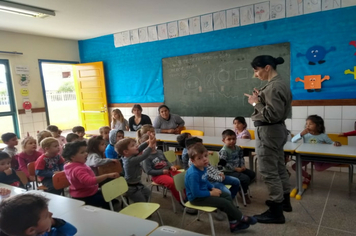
x=287, y=207
x=274, y=215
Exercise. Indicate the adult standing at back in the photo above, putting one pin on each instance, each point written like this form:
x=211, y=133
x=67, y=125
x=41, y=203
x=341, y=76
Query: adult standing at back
x=167, y=122
x=272, y=104
x=138, y=119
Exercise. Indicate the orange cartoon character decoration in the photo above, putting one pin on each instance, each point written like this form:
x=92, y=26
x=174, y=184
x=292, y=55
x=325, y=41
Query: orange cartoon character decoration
x=312, y=82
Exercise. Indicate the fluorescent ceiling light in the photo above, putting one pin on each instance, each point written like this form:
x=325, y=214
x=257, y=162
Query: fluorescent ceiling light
x=25, y=10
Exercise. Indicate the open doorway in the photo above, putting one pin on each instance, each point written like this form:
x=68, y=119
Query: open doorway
x=59, y=92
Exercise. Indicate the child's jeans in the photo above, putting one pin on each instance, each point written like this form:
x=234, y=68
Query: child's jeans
x=138, y=192
x=229, y=180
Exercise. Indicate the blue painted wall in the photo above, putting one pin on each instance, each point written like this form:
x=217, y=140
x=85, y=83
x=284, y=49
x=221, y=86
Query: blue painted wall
x=134, y=73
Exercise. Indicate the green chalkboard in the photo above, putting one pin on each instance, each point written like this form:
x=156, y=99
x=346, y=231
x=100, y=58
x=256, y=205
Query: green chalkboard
x=214, y=83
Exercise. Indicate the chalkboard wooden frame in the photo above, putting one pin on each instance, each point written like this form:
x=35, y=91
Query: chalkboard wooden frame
x=213, y=83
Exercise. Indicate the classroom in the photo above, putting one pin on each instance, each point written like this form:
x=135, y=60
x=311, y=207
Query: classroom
x=194, y=57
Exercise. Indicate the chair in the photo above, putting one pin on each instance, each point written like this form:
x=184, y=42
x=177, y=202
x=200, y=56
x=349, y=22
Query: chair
x=252, y=132
x=170, y=156
x=60, y=181
x=116, y=188
x=344, y=141
x=32, y=172
x=110, y=167
x=193, y=132
x=23, y=178
x=179, y=183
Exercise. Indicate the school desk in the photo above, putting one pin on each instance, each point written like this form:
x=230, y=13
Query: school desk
x=58, y=204
x=91, y=220
x=321, y=153
x=289, y=148
x=172, y=231
x=14, y=190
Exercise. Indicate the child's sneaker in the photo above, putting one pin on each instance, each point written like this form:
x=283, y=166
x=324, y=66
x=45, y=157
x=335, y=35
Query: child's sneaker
x=238, y=226
x=249, y=220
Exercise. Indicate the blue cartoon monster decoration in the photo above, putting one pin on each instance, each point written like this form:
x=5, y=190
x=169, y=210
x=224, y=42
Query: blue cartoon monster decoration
x=316, y=54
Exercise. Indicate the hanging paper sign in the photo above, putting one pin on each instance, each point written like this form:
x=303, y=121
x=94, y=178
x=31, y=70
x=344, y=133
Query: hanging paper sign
x=19, y=70
x=24, y=92
x=27, y=105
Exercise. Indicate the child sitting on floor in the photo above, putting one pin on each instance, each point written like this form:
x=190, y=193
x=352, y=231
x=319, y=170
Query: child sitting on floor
x=130, y=151
x=96, y=149
x=27, y=215
x=201, y=192
x=83, y=182
x=28, y=154
x=314, y=133
x=49, y=163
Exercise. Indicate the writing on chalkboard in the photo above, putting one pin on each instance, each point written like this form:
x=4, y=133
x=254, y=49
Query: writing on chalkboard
x=213, y=84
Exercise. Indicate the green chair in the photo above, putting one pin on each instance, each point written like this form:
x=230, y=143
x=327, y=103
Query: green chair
x=116, y=188
x=179, y=184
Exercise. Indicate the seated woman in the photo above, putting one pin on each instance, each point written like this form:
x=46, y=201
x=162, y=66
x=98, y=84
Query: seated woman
x=167, y=122
x=138, y=119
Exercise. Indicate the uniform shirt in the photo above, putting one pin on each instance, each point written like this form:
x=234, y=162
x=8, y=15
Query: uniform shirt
x=275, y=100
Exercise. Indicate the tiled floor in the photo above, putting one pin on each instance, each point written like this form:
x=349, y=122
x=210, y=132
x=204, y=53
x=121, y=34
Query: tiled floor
x=327, y=208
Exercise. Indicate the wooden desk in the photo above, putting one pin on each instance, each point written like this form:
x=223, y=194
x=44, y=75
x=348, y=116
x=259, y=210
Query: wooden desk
x=168, y=230
x=96, y=221
x=321, y=153
x=14, y=190
x=58, y=204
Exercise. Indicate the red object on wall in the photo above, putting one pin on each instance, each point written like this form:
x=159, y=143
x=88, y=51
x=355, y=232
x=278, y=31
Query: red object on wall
x=27, y=105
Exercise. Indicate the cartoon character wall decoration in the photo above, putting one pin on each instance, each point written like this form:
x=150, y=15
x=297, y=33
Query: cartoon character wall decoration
x=348, y=71
x=316, y=54
x=312, y=82
x=24, y=80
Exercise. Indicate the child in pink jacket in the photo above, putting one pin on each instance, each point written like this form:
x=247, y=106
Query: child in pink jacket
x=83, y=182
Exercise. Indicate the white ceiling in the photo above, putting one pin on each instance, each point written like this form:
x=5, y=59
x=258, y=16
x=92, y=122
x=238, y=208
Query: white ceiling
x=84, y=19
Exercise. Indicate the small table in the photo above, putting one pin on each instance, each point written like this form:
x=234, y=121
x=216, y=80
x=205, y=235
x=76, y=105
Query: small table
x=321, y=153
x=91, y=220
x=58, y=204
x=172, y=231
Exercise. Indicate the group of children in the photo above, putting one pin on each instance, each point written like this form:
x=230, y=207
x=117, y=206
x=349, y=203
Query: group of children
x=205, y=183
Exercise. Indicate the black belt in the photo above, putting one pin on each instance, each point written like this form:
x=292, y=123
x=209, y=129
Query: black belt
x=261, y=123
x=137, y=184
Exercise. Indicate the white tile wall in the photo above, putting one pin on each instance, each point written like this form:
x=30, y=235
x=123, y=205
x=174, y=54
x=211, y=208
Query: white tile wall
x=337, y=119
x=32, y=123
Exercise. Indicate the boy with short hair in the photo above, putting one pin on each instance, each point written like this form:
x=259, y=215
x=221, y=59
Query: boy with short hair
x=28, y=215
x=49, y=163
x=201, y=192
x=7, y=174
x=10, y=139
x=104, y=131
x=115, y=135
x=56, y=133
x=129, y=149
x=71, y=137
x=80, y=131
x=235, y=162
